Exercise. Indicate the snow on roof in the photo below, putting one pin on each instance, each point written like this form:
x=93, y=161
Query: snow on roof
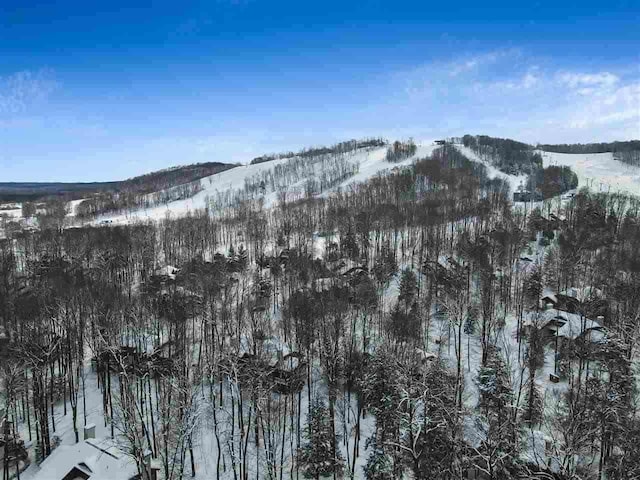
x=98, y=458
x=582, y=294
x=597, y=335
x=574, y=324
x=168, y=271
x=569, y=325
x=550, y=296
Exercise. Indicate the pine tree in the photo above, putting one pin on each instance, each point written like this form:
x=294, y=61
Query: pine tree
x=379, y=465
x=408, y=288
x=498, y=452
x=385, y=266
x=315, y=455
x=242, y=258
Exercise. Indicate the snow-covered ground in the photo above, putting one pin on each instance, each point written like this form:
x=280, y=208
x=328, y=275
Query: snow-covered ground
x=229, y=180
x=12, y=213
x=514, y=181
x=374, y=163
x=371, y=162
x=598, y=171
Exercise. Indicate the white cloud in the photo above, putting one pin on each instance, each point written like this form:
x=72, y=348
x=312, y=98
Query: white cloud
x=529, y=80
x=616, y=107
x=601, y=79
x=22, y=89
x=509, y=93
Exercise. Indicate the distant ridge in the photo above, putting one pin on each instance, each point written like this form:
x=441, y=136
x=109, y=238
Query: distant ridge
x=146, y=183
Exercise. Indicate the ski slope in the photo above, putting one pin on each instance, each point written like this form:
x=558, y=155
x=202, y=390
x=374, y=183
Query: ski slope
x=514, y=181
x=371, y=162
x=598, y=171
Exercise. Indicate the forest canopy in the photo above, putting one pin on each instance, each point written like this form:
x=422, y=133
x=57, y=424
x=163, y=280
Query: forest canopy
x=510, y=156
x=552, y=181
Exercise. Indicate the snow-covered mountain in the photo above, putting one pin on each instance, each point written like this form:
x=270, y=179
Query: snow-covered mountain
x=298, y=176
x=231, y=183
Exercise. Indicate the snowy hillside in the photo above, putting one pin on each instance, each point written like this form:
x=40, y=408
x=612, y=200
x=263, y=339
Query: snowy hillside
x=598, y=171
x=226, y=185
x=514, y=180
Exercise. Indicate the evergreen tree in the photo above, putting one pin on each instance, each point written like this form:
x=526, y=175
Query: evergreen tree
x=315, y=455
x=408, y=288
x=379, y=464
x=385, y=266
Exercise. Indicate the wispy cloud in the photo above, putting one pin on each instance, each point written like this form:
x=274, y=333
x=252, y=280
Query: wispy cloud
x=610, y=106
x=475, y=62
x=537, y=99
x=20, y=90
x=600, y=79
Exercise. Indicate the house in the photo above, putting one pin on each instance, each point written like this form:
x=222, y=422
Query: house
x=576, y=325
x=583, y=294
x=440, y=142
x=91, y=459
x=526, y=196
x=548, y=299
x=568, y=326
x=595, y=335
x=522, y=196
x=567, y=303
x=587, y=300
x=553, y=325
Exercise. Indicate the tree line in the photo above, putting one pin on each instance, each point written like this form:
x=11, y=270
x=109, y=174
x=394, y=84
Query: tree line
x=338, y=148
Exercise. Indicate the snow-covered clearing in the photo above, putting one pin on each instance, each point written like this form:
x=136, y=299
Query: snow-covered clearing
x=598, y=171
x=12, y=213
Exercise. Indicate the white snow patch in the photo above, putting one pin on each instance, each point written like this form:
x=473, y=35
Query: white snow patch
x=598, y=171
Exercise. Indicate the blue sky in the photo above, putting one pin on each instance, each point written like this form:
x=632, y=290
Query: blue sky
x=102, y=93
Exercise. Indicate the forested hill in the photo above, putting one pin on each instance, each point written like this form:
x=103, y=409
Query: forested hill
x=150, y=182
x=26, y=191
x=592, y=147
x=162, y=179
x=509, y=156
x=342, y=147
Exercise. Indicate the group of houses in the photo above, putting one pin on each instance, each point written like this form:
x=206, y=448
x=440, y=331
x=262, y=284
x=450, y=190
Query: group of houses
x=573, y=316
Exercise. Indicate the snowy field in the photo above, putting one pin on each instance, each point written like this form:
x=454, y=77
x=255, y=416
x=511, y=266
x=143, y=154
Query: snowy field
x=598, y=171
x=12, y=213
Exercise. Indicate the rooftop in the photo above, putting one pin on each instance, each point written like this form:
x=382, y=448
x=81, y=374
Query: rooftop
x=94, y=459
